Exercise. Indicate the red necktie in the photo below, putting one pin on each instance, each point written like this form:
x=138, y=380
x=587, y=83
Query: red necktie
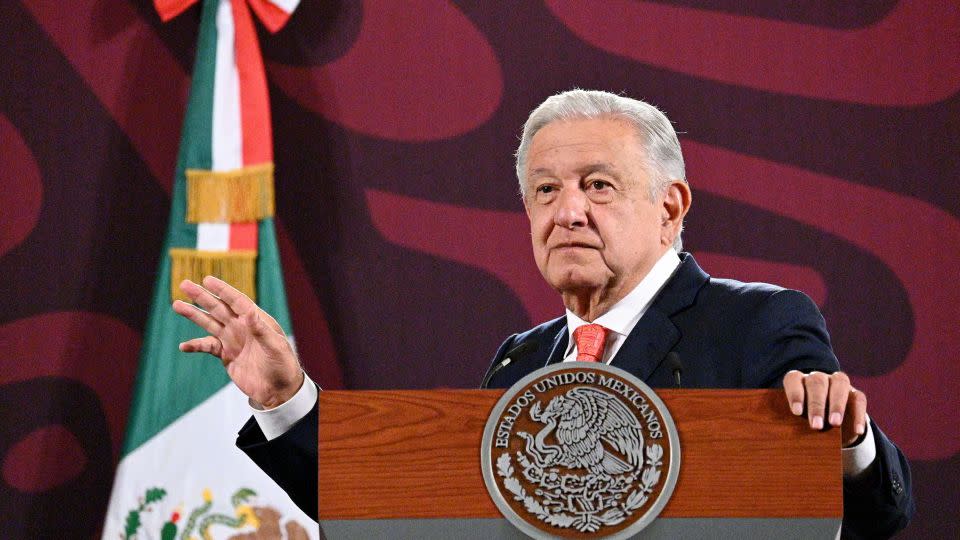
x=590, y=340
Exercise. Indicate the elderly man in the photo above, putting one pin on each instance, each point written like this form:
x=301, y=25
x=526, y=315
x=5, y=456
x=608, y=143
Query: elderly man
x=604, y=187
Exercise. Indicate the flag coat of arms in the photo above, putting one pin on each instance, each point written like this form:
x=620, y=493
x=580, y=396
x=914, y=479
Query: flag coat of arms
x=180, y=475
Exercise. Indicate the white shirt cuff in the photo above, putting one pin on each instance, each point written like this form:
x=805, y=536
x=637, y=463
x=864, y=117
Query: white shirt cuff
x=276, y=421
x=857, y=459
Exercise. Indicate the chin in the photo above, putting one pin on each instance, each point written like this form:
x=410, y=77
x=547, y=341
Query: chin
x=575, y=279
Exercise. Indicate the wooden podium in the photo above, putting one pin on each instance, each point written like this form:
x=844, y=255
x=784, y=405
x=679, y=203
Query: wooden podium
x=406, y=464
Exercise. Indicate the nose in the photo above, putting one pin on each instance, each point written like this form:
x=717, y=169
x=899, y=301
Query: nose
x=571, y=210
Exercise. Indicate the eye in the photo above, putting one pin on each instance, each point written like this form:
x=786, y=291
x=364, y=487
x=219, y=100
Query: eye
x=598, y=185
x=545, y=193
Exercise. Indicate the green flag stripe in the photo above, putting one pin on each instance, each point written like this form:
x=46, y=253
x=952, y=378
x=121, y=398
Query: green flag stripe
x=170, y=383
x=196, y=142
x=271, y=295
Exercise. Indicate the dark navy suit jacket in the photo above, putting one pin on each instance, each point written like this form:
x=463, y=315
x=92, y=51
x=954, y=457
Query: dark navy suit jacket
x=728, y=334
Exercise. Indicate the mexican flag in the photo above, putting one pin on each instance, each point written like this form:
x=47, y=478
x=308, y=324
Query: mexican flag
x=180, y=475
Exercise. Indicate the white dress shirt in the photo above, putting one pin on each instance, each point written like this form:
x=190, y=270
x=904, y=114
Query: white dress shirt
x=625, y=314
x=620, y=320
x=276, y=421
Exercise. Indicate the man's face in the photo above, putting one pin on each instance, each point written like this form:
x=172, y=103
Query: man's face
x=595, y=230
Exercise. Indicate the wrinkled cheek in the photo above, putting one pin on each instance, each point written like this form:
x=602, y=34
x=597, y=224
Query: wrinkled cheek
x=539, y=240
x=608, y=267
x=542, y=259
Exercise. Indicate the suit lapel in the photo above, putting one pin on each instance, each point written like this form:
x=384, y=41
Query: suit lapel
x=559, y=347
x=647, y=345
x=655, y=334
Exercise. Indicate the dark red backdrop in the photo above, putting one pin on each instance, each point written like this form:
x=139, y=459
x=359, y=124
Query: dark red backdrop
x=822, y=147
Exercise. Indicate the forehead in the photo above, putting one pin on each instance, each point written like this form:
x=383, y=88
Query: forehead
x=565, y=146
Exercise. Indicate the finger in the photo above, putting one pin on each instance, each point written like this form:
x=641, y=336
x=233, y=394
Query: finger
x=793, y=387
x=839, y=393
x=208, y=344
x=816, y=385
x=198, y=317
x=238, y=302
x=213, y=305
x=230, y=310
x=857, y=405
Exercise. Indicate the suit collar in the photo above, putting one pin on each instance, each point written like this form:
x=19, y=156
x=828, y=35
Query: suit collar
x=655, y=334
x=681, y=290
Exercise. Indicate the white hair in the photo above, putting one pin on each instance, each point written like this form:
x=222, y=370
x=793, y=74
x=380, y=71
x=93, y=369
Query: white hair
x=662, y=157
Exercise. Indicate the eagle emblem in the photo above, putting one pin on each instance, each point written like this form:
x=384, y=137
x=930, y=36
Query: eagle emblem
x=589, y=426
x=590, y=461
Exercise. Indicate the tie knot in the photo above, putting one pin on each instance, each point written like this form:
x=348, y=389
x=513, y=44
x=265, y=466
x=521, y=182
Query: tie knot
x=590, y=340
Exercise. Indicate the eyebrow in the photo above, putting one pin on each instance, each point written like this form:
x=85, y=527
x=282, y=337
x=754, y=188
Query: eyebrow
x=605, y=168
x=586, y=170
x=536, y=173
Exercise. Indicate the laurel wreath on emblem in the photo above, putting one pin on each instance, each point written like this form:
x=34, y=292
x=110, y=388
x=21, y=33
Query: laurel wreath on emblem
x=603, y=505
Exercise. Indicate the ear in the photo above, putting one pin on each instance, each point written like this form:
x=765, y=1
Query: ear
x=674, y=206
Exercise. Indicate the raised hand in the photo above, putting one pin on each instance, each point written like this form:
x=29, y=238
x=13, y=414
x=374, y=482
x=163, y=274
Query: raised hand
x=252, y=346
x=830, y=397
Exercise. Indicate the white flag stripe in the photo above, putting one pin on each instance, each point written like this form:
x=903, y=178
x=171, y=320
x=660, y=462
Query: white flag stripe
x=213, y=236
x=227, y=136
x=200, y=442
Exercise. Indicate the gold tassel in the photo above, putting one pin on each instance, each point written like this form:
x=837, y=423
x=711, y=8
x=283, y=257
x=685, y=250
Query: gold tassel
x=238, y=268
x=232, y=196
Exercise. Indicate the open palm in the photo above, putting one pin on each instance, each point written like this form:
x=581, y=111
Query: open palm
x=252, y=346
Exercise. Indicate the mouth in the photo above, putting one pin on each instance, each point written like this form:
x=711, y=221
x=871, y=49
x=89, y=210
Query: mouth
x=574, y=245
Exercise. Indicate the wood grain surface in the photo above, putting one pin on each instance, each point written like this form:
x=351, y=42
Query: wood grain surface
x=416, y=454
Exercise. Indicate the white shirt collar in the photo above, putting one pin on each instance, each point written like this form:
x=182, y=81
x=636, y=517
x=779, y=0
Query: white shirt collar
x=625, y=314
